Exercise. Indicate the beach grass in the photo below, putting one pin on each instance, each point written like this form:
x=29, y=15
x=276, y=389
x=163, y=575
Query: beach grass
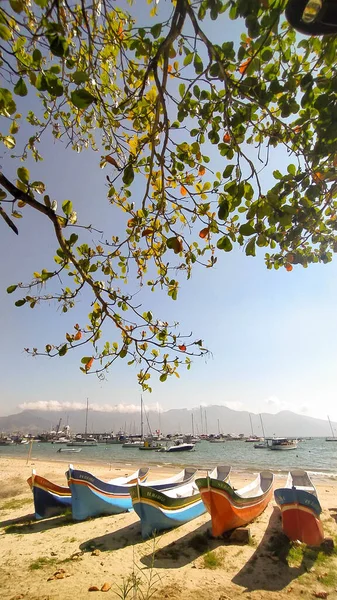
x=212, y=560
x=15, y=503
x=40, y=563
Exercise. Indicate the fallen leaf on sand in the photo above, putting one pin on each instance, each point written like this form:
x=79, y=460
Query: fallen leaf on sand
x=93, y=588
x=106, y=587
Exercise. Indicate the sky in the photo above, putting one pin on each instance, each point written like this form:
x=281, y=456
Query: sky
x=271, y=334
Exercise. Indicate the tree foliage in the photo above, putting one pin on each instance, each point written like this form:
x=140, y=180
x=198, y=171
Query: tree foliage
x=162, y=101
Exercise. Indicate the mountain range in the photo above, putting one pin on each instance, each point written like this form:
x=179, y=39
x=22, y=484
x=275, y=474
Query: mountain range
x=212, y=419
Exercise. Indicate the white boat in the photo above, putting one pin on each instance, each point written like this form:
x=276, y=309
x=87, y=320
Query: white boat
x=69, y=450
x=178, y=447
x=133, y=444
x=83, y=442
x=283, y=444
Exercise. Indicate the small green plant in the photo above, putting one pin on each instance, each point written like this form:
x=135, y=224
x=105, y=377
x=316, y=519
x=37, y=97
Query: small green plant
x=41, y=562
x=15, y=503
x=142, y=583
x=295, y=555
x=212, y=560
x=329, y=578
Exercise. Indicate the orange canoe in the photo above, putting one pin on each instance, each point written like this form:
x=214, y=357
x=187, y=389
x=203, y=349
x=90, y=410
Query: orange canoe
x=231, y=508
x=300, y=509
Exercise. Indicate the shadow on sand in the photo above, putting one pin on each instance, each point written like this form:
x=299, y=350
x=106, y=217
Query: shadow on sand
x=183, y=551
x=268, y=568
x=333, y=513
x=127, y=536
x=28, y=524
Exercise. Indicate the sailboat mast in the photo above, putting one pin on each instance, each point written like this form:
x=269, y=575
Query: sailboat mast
x=264, y=435
x=251, y=424
x=202, y=427
x=86, y=419
x=141, y=418
x=192, y=424
x=332, y=431
x=218, y=427
x=206, y=426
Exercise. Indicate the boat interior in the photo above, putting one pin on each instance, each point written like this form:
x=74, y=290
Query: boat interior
x=257, y=487
x=301, y=481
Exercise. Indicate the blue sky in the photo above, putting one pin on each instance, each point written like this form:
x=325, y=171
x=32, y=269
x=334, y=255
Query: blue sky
x=272, y=334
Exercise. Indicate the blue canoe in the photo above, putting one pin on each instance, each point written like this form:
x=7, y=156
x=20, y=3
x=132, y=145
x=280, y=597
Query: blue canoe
x=162, y=510
x=50, y=499
x=92, y=497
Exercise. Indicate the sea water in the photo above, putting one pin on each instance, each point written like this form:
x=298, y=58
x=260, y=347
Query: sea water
x=314, y=455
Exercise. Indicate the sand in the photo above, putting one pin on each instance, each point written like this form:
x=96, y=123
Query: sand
x=109, y=550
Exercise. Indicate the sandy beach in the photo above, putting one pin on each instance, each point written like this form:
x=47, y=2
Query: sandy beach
x=183, y=563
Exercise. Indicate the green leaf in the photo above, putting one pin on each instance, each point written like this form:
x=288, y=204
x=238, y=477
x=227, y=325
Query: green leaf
x=198, y=66
x=41, y=3
x=11, y=289
x=291, y=169
x=37, y=56
x=39, y=186
x=20, y=302
x=182, y=89
x=82, y=98
x=85, y=360
x=223, y=211
x=80, y=77
x=128, y=175
x=20, y=88
x=188, y=59
x=9, y=141
x=67, y=207
x=163, y=377
x=247, y=229
x=3, y=194
x=156, y=30
x=73, y=239
x=7, y=104
x=58, y=45
x=225, y=244
x=23, y=174
x=14, y=128
x=123, y=353
x=17, y=5
x=5, y=33
x=250, y=248
x=63, y=350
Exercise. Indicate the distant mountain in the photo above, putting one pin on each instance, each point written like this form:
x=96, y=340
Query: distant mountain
x=211, y=420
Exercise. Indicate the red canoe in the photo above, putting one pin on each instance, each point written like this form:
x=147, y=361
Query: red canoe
x=231, y=508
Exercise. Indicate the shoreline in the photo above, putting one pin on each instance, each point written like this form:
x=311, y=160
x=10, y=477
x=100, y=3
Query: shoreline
x=164, y=468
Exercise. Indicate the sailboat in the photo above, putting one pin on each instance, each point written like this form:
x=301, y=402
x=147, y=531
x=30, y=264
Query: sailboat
x=333, y=438
x=85, y=441
x=253, y=437
x=263, y=445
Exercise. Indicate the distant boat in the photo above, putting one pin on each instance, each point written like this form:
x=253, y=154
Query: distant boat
x=50, y=499
x=133, y=444
x=333, y=438
x=178, y=446
x=283, y=444
x=87, y=441
x=150, y=445
x=7, y=441
x=300, y=509
x=161, y=510
x=263, y=443
x=231, y=508
x=69, y=450
x=92, y=497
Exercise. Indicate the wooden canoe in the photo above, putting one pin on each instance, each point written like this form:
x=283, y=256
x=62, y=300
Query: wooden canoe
x=300, y=509
x=92, y=496
x=231, y=508
x=162, y=510
x=50, y=499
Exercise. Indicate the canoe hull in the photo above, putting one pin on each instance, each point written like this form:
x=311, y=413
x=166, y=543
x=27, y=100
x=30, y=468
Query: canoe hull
x=228, y=510
x=300, y=512
x=50, y=499
x=92, y=497
x=158, y=512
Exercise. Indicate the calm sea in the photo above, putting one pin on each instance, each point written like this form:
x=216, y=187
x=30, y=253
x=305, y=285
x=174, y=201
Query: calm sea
x=316, y=456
